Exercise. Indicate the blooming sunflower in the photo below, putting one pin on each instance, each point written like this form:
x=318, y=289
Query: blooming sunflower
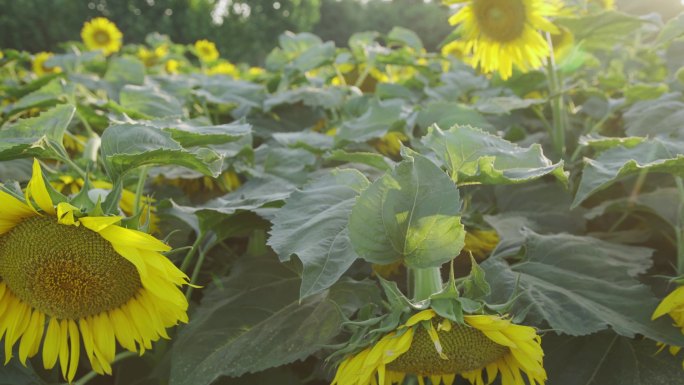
x=429, y=346
x=502, y=33
x=673, y=305
x=100, y=33
x=172, y=66
x=68, y=278
x=226, y=182
x=226, y=68
x=206, y=50
x=39, y=67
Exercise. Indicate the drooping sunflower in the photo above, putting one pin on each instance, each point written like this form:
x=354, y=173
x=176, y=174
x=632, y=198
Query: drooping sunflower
x=672, y=305
x=206, y=50
x=500, y=34
x=429, y=346
x=39, y=67
x=68, y=278
x=101, y=34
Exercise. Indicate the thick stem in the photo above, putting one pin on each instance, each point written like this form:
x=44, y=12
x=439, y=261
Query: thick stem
x=680, y=227
x=139, y=188
x=556, y=98
x=426, y=282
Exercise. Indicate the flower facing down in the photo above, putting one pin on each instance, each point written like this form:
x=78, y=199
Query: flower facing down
x=429, y=346
x=206, y=51
x=101, y=34
x=673, y=305
x=70, y=280
x=501, y=34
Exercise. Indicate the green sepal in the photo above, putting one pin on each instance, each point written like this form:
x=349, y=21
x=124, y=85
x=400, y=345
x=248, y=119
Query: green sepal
x=82, y=199
x=110, y=206
x=475, y=285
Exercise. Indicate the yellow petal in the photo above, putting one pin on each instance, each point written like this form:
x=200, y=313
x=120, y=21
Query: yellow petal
x=37, y=190
x=51, y=344
x=75, y=350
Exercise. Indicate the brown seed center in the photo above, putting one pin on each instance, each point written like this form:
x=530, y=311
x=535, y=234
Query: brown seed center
x=64, y=271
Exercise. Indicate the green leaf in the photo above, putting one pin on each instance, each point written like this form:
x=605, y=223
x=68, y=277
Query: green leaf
x=655, y=155
x=313, y=225
x=48, y=95
x=475, y=285
x=602, y=30
x=309, y=140
x=125, y=70
x=474, y=156
x=16, y=374
x=672, y=30
x=244, y=95
x=601, y=143
x=406, y=37
x=36, y=137
x=256, y=195
x=606, y=358
x=315, y=57
x=411, y=214
x=501, y=105
x=582, y=285
x=368, y=158
x=149, y=101
x=128, y=146
x=191, y=134
x=253, y=320
x=448, y=114
x=659, y=117
x=324, y=97
x=381, y=117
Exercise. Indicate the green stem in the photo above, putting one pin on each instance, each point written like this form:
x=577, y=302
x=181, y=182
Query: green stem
x=426, y=282
x=74, y=166
x=363, y=75
x=139, y=188
x=90, y=375
x=680, y=227
x=196, y=271
x=556, y=97
x=191, y=253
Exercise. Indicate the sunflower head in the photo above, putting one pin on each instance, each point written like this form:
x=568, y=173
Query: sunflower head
x=39, y=66
x=101, y=34
x=206, y=51
x=500, y=34
x=390, y=143
x=69, y=279
x=428, y=346
x=225, y=68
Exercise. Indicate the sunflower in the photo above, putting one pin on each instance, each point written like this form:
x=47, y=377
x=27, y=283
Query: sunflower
x=39, y=67
x=226, y=68
x=101, y=34
x=172, y=66
x=502, y=33
x=206, y=50
x=480, y=243
x=67, y=184
x=151, y=57
x=429, y=346
x=390, y=143
x=68, y=279
x=673, y=305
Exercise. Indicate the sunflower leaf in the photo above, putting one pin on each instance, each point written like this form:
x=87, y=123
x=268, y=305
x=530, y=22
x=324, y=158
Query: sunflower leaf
x=474, y=156
x=254, y=320
x=655, y=155
x=128, y=146
x=411, y=214
x=582, y=285
x=313, y=225
x=606, y=358
x=36, y=137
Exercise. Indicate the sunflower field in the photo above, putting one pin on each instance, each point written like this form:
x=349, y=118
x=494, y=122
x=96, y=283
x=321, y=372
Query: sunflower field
x=507, y=211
